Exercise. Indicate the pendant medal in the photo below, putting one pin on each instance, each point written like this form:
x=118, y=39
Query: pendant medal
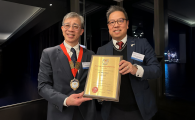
x=74, y=84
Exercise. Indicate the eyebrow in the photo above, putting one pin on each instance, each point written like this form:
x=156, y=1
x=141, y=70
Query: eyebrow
x=72, y=24
x=117, y=19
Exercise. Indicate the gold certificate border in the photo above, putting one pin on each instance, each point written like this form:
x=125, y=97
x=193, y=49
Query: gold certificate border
x=116, y=99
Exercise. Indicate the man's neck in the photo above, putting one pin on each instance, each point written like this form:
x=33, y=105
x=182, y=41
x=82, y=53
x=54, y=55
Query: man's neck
x=72, y=44
x=119, y=39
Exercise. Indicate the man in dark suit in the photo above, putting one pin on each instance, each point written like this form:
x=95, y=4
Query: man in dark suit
x=62, y=74
x=139, y=64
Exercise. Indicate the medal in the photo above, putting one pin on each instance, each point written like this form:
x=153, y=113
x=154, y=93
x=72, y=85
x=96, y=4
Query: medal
x=74, y=84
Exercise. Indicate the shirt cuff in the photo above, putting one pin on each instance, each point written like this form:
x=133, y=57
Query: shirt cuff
x=65, y=102
x=140, y=71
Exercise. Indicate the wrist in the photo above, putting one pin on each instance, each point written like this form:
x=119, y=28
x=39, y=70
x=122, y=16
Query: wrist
x=136, y=68
x=65, y=102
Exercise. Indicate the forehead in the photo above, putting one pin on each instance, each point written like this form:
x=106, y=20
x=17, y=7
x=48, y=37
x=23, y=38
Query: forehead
x=72, y=20
x=116, y=15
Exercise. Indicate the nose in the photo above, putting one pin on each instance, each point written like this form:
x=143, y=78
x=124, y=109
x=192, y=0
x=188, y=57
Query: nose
x=116, y=24
x=71, y=29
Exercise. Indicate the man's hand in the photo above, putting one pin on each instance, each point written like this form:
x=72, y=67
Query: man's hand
x=126, y=67
x=76, y=99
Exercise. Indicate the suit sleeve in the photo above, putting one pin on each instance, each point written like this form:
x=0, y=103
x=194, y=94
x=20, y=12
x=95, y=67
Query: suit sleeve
x=45, y=83
x=152, y=68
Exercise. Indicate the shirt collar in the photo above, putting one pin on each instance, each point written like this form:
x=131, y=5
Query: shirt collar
x=124, y=40
x=68, y=47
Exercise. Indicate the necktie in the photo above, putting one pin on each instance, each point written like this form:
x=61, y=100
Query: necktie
x=120, y=44
x=74, y=56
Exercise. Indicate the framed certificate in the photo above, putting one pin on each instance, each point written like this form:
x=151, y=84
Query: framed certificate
x=103, y=80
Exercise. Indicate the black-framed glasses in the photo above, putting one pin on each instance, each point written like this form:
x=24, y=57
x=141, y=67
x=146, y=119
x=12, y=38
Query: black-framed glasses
x=119, y=21
x=74, y=26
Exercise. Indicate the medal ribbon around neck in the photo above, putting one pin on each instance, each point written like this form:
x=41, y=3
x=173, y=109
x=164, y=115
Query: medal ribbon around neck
x=78, y=62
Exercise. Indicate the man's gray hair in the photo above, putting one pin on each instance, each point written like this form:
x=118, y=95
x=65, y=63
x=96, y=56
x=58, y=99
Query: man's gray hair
x=116, y=8
x=73, y=15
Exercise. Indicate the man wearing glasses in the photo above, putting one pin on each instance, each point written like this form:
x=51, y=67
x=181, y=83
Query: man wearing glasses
x=139, y=64
x=62, y=74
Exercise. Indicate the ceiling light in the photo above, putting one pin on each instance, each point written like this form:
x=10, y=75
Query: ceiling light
x=118, y=0
x=4, y=36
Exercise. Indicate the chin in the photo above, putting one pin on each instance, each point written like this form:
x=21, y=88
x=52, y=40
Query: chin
x=117, y=37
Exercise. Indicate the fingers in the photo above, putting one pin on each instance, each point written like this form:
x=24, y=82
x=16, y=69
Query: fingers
x=122, y=64
x=81, y=94
x=125, y=67
x=76, y=99
x=77, y=95
x=84, y=99
x=125, y=70
x=78, y=102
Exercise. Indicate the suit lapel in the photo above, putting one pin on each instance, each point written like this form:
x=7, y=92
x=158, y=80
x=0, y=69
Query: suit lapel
x=109, y=48
x=130, y=48
x=84, y=59
x=64, y=62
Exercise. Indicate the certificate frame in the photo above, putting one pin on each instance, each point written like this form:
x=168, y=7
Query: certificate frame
x=116, y=92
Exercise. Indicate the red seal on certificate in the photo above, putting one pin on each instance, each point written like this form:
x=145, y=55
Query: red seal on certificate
x=94, y=89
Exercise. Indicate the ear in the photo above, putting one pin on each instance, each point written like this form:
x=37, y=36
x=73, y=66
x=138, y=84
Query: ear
x=82, y=30
x=127, y=24
x=62, y=28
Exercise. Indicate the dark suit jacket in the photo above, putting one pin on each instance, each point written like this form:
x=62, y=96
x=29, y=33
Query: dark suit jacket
x=54, y=84
x=152, y=70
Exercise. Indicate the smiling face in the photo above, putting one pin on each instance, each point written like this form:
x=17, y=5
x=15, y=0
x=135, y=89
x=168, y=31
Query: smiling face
x=118, y=32
x=72, y=35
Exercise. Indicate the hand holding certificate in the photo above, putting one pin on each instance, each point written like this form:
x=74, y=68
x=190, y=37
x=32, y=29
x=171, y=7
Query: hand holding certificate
x=103, y=80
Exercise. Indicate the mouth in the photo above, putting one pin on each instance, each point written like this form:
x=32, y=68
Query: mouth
x=116, y=31
x=70, y=35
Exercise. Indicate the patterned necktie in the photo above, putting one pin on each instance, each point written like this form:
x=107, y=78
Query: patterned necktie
x=120, y=44
x=74, y=56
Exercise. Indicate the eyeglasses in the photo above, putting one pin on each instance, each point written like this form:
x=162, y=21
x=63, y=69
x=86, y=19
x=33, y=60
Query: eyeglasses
x=74, y=26
x=119, y=21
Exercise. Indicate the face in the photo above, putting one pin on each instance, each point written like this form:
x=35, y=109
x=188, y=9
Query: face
x=118, y=32
x=71, y=35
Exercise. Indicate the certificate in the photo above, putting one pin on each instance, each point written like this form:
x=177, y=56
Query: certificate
x=103, y=80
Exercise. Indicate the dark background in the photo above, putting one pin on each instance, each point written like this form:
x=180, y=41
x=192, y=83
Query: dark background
x=20, y=56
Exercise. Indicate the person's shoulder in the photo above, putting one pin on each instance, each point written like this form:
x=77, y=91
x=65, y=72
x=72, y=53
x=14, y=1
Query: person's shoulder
x=106, y=45
x=51, y=49
x=137, y=40
x=90, y=52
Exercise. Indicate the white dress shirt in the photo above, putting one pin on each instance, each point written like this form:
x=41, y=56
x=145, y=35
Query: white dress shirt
x=68, y=47
x=140, y=70
x=124, y=40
